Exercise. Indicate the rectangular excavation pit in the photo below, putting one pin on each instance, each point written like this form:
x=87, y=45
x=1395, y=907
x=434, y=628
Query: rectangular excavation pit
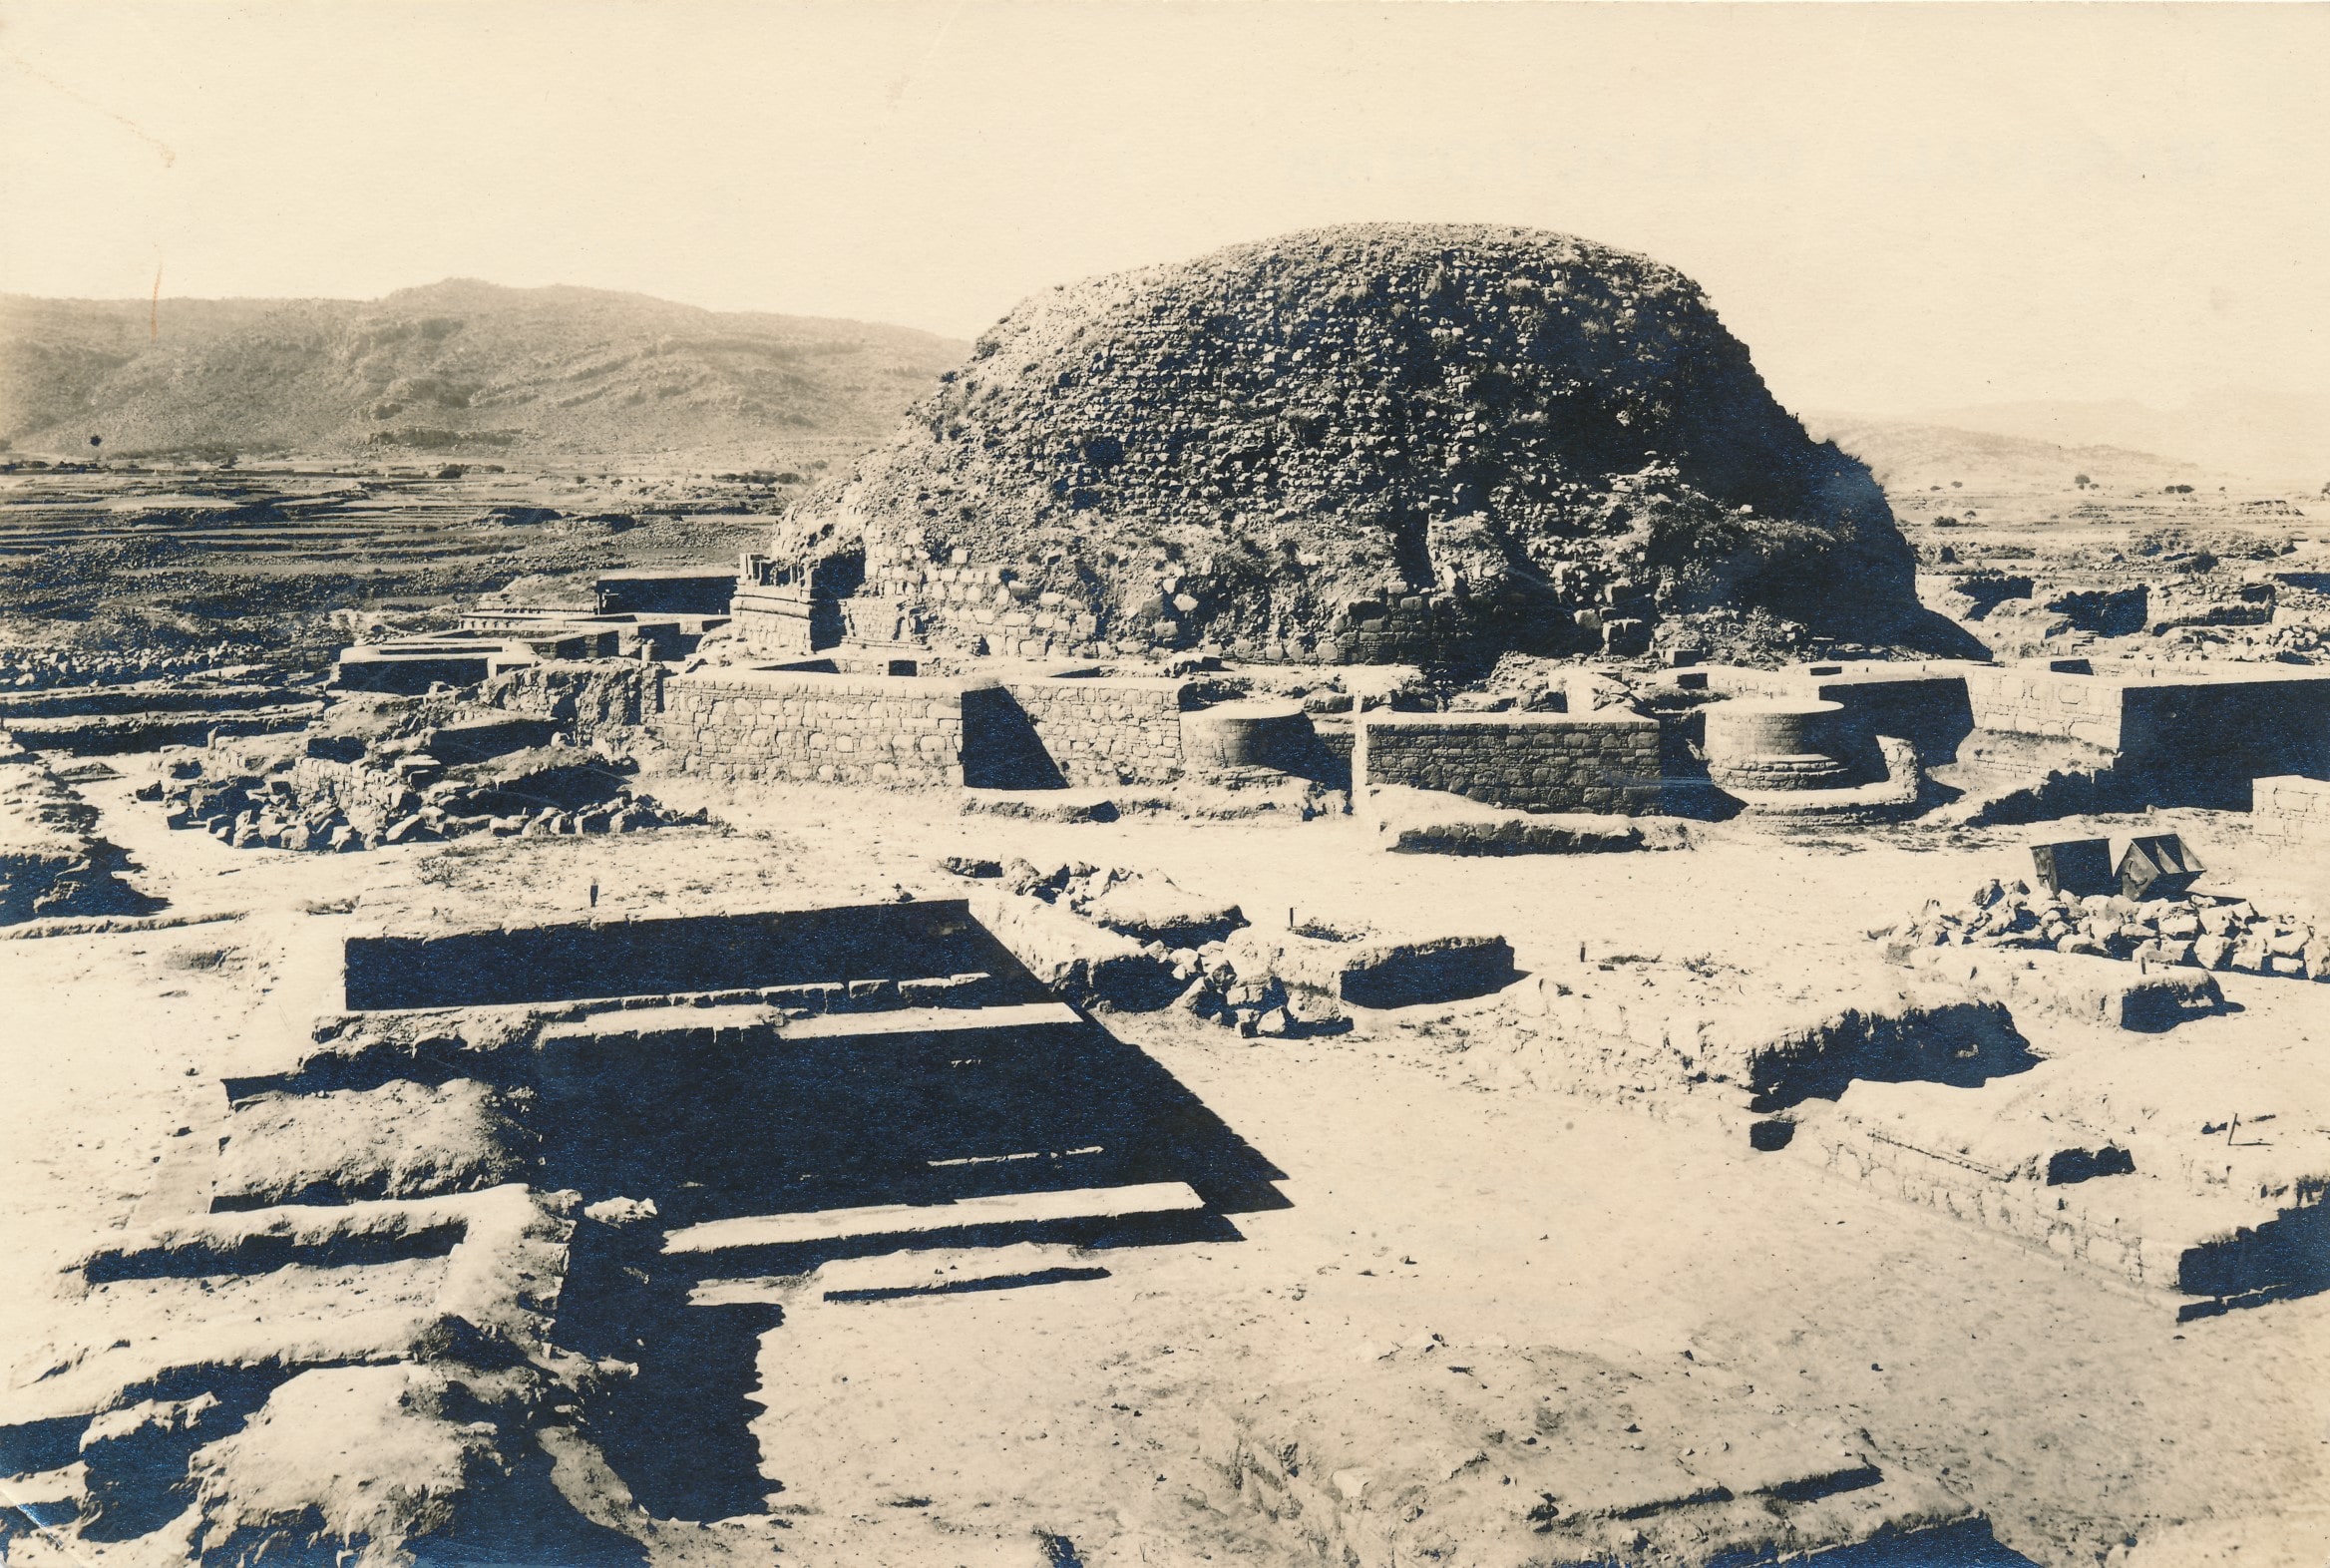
x=801, y=1063
x=850, y=1110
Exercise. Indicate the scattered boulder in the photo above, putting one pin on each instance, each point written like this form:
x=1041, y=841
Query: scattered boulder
x=2194, y=931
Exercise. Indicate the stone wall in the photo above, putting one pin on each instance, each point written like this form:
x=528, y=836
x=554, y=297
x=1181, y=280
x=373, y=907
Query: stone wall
x=2154, y=715
x=837, y=729
x=778, y=621
x=1394, y=629
x=1603, y=762
x=2293, y=808
x=922, y=729
x=1102, y=731
x=585, y=696
x=2100, y=1233
x=2024, y=699
x=1924, y=703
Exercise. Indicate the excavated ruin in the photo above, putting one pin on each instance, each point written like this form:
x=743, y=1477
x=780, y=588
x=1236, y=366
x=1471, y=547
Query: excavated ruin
x=1363, y=444
x=528, y=1216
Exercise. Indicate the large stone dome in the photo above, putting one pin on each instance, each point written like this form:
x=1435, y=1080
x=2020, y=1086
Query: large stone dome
x=1369, y=442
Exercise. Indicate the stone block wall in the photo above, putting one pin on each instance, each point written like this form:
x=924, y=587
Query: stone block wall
x=1600, y=762
x=778, y=620
x=2162, y=715
x=836, y=730
x=2100, y=1233
x=1396, y=629
x=1102, y=731
x=2293, y=808
x=2023, y=700
x=1930, y=710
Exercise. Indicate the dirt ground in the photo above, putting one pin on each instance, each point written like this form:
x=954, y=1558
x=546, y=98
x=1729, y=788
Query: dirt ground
x=1427, y=1206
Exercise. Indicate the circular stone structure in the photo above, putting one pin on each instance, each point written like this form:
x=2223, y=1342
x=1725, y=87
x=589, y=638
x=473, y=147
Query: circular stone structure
x=1375, y=444
x=1257, y=733
x=1774, y=744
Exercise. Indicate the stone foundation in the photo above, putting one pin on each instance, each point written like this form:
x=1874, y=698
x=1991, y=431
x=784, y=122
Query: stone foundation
x=836, y=730
x=1596, y=763
x=1102, y=731
x=1808, y=771
x=912, y=730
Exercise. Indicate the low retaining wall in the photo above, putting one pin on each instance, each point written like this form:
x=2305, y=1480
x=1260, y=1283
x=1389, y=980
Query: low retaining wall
x=1594, y=762
x=679, y=953
x=922, y=730
x=2269, y=721
x=1102, y=731
x=836, y=730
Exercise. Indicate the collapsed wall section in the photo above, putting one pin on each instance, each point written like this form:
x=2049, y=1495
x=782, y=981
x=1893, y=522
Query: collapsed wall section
x=584, y=696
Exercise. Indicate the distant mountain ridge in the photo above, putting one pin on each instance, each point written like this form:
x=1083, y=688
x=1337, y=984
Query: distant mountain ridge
x=1908, y=455
x=2280, y=438
x=456, y=366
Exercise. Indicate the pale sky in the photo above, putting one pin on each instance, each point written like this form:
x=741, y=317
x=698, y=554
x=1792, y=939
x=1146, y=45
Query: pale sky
x=1896, y=207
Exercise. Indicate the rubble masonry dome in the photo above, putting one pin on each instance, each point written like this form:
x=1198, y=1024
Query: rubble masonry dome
x=1365, y=444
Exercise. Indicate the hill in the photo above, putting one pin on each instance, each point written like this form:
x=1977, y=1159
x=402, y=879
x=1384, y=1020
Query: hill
x=458, y=367
x=1524, y=435
x=2253, y=435
x=1910, y=456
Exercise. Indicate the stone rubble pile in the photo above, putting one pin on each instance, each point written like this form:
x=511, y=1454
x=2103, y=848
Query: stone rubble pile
x=1106, y=935
x=307, y=803
x=29, y=667
x=1251, y=997
x=2199, y=930
x=1132, y=940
